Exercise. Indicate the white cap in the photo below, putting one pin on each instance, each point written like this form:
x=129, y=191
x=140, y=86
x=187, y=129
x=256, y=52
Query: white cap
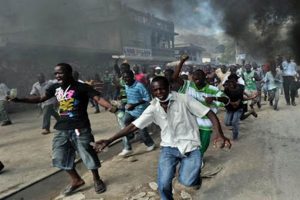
x=158, y=67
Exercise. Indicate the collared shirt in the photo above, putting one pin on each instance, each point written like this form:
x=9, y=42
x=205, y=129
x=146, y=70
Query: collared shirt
x=289, y=68
x=135, y=94
x=3, y=91
x=178, y=126
x=40, y=90
x=271, y=81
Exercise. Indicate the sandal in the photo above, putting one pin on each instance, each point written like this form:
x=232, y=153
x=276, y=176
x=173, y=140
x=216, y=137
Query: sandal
x=99, y=186
x=71, y=188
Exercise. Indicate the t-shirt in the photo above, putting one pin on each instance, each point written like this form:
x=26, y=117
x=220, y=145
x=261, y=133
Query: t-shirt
x=250, y=82
x=73, y=102
x=40, y=90
x=235, y=96
x=141, y=78
x=135, y=94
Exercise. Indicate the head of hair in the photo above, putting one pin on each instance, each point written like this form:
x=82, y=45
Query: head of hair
x=199, y=72
x=128, y=72
x=161, y=79
x=233, y=77
x=65, y=67
x=125, y=65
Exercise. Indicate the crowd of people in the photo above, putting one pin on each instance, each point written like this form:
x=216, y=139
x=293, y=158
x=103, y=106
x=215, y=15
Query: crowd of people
x=184, y=104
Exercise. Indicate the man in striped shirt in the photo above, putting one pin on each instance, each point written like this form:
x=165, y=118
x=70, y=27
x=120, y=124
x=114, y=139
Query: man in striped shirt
x=208, y=95
x=138, y=99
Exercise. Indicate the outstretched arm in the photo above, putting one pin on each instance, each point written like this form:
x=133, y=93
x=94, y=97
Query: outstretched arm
x=30, y=99
x=101, y=144
x=102, y=102
x=178, y=68
x=216, y=124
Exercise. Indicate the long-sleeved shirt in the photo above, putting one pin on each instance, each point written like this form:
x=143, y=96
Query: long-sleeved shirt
x=178, y=125
x=289, y=68
x=271, y=81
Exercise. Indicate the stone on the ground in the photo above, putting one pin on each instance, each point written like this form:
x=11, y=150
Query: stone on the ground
x=139, y=195
x=185, y=195
x=76, y=196
x=153, y=186
x=151, y=194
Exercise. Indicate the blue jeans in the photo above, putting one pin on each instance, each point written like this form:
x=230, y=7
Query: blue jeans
x=146, y=138
x=232, y=118
x=189, y=170
x=67, y=142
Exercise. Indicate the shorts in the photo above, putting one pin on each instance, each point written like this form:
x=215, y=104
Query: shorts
x=65, y=144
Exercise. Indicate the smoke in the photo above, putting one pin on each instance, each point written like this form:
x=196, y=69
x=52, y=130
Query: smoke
x=189, y=16
x=263, y=27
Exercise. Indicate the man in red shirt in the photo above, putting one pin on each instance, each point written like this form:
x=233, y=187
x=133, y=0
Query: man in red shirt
x=139, y=76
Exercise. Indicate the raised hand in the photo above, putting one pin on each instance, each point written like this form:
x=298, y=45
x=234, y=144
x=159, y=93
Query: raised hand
x=184, y=57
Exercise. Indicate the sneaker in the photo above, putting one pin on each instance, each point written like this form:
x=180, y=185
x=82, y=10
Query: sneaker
x=45, y=132
x=125, y=152
x=293, y=103
x=151, y=148
x=5, y=123
x=202, y=164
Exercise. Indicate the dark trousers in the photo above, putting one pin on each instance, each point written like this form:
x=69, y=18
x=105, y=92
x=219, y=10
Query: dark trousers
x=289, y=89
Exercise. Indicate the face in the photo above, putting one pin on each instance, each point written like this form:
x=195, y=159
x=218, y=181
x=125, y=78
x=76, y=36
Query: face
x=231, y=84
x=248, y=68
x=128, y=79
x=198, y=79
x=135, y=69
x=124, y=68
x=157, y=71
x=168, y=74
x=60, y=75
x=160, y=90
x=223, y=69
x=41, y=78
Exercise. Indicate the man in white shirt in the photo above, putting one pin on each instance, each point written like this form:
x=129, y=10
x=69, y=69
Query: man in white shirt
x=4, y=90
x=49, y=106
x=176, y=115
x=288, y=74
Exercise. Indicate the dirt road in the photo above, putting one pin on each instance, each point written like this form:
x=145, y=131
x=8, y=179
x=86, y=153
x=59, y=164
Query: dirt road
x=262, y=165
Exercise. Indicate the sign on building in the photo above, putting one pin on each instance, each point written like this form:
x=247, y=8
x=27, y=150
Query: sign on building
x=137, y=52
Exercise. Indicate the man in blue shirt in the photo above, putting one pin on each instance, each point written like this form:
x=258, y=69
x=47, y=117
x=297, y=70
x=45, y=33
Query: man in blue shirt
x=138, y=99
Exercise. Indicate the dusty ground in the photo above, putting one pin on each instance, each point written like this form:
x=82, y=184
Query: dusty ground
x=263, y=164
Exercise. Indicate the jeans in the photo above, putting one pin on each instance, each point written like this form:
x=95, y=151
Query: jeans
x=3, y=114
x=189, y=170
x=66, y=142
x=274, y=96
x=146, y=138
x=48, y=111
x=232, y=118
